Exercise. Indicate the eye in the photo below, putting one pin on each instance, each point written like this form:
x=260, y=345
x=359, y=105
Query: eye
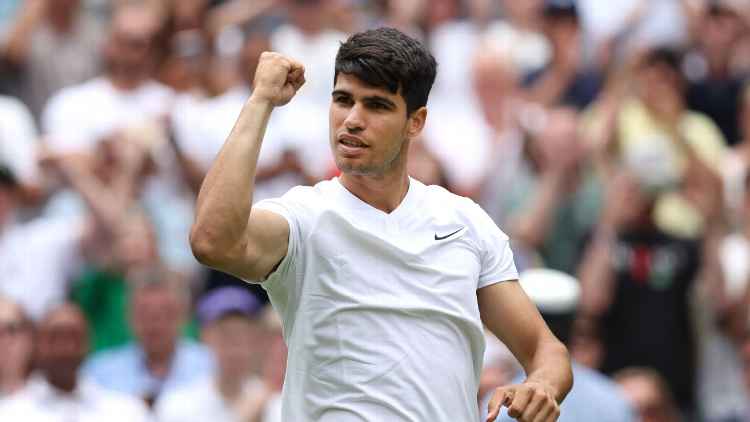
x=342, y=100
x=375, y=105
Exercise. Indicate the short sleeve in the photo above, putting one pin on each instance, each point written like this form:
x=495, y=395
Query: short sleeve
x=496, y=255
x=282, y=285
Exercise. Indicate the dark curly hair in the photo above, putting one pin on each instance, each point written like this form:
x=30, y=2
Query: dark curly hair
x=388, y=58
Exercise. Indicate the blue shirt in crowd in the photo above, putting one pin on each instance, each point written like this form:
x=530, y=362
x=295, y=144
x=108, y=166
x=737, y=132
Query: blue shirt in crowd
x=124, y=369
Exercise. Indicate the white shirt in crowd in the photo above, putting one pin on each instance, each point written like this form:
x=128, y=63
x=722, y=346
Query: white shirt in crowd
x=202, y=402
x=78, y=117
x=37, y=261
x=18, y=139
x=380, y=310
x=40, y=402
x=201, y=126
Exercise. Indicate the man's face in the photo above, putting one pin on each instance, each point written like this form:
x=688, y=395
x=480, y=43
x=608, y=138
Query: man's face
x=369, y=127
x=235, y=341
x=646, y=399
x=157, y=315
x=62, y=342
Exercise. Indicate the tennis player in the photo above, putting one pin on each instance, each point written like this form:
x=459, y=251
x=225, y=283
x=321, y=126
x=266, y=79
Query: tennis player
x=382, y=283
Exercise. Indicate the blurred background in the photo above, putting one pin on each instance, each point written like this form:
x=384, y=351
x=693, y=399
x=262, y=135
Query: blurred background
x=609, y=139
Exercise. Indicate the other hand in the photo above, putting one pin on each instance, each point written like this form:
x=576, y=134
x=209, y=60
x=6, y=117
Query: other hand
x=527, y=402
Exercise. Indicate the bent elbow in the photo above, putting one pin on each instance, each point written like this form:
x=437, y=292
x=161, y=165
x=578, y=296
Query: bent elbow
x=203, y=247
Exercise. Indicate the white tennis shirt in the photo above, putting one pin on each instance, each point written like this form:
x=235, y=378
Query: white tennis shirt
x=380, y=310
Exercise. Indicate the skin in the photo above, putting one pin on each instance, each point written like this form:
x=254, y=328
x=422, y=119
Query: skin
x=157, y=315
x=16, y=342
x=62, y=344
x=229, y=235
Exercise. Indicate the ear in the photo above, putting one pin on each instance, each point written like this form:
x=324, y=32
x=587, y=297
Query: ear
x=415, y=123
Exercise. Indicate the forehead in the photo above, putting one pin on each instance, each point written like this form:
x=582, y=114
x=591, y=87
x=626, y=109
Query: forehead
x=357, y=88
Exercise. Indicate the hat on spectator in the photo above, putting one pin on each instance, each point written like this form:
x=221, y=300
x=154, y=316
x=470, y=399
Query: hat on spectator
x=224, y=301
x=560, y=8
x=556, y=295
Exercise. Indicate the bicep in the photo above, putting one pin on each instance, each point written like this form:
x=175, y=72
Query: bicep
x=267, y=237
x=510, y=315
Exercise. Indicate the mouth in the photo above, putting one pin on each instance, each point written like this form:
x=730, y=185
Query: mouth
x=352, y=142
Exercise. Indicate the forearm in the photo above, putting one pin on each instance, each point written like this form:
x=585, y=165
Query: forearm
x=225, y=198
x=551, y=368
x=596, y=273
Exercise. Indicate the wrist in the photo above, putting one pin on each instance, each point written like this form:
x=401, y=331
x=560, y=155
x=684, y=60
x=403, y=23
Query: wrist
x=259, y=100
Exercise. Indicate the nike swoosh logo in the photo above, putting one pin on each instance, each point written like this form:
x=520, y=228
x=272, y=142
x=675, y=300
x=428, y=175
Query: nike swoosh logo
x=448, y=235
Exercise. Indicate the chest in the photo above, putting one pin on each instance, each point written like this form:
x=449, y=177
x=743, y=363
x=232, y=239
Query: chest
x=392, y=260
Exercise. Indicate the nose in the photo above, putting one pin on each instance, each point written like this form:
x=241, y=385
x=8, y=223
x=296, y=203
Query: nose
x=354, y=121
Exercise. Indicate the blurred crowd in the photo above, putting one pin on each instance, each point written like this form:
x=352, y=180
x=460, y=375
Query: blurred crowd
x=609, y=139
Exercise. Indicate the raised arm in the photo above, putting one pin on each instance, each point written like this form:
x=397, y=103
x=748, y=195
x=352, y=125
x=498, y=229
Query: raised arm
x=513, y=318
x=228, y=234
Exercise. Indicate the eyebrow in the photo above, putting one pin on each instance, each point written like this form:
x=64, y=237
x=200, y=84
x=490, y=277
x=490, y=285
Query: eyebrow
x=377, y=98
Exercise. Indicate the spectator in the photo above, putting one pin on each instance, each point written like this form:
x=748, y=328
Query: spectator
x=649, y=394
x=594, y=397
x=565, y=79
x=124, y=96
x=734, y=168
x=16, y=341
x=55, y=45
x=35, y=275
x=713, y=88
x=57, y=392
x=484, y=121
x=552, y=200
x=157, y=361
x=655, y=128
x=232, y=328
x=635, y=280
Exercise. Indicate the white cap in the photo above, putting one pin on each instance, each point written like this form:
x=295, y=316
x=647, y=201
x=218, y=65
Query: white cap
x=552, y=291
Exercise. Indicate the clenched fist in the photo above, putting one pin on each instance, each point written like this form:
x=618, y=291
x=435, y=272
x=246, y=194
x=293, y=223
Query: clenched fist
x=277, y=78
x=527, y=402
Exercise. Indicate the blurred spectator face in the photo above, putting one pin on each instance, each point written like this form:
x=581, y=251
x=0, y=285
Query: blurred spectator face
x=16, y=340
x=646, y=394
x=135, y=245
x=658, y=83
x=495, y=80
x=62, y=343
x=189, y=14
x=440, y=11
x=558, y=139
x=720, y=30
x=130, y=44
x=522, y=11
x=157, y=312
x=235, y=341
x=307, y=15
x=562, y=30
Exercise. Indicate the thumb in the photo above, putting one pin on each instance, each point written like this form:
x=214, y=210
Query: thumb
x=501, y=396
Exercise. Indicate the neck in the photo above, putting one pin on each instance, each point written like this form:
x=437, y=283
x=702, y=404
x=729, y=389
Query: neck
x=64, y=382
x=158, y=362
x=125, y=83
x=384, y=192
